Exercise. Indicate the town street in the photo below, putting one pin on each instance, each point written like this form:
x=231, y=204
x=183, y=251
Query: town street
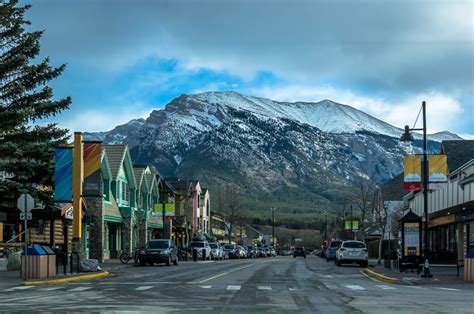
x=281, y=284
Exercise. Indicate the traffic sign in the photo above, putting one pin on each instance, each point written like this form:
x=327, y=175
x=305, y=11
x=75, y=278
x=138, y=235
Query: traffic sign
x=29, y=216
x=25, y=202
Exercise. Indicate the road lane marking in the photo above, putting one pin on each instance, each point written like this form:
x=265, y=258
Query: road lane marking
x=79, y=289
x=264, y=288
x=293, y=289
x=448, y=289
x=234, y=288
x=385, y=287
x=205, y=287
x=226, y=273
x=355, y=287
x=19, y=288
x=50, y=288
x=327, y=276
x=143, y=288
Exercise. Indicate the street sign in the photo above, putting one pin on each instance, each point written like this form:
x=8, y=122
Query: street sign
x=25, y=202
x=29, y=216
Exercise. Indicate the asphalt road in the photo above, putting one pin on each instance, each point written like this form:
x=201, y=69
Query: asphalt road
x=278, y=285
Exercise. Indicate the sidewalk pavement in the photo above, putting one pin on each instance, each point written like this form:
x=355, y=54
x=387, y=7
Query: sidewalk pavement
x=441, y=275
x=12, y=278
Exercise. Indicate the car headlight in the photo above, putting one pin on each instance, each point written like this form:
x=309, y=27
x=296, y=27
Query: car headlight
x=164, y=252
x=142, y=252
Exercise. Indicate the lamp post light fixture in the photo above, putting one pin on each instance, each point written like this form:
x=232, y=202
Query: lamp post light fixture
x=407, y=137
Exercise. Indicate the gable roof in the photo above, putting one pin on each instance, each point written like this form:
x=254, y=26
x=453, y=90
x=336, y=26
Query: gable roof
x=115, y=156
x=138, y=173
x=118, y=155
x=393, y=190
x=458, y=152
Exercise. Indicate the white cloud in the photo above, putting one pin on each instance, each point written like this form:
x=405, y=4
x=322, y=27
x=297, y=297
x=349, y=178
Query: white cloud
x=99, y=120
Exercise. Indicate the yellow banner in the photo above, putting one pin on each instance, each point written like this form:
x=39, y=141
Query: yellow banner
x=438, y=165
x=412, y=168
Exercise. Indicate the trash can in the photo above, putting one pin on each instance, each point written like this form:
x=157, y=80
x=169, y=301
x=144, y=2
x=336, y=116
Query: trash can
x=35, y=264
x=51, y=261
x=469, y=267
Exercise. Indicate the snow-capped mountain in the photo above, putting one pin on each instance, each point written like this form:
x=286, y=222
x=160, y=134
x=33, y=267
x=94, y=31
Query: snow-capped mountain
x=295, y=153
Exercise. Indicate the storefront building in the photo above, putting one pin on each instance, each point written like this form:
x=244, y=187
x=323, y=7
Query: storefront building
x=451, y=213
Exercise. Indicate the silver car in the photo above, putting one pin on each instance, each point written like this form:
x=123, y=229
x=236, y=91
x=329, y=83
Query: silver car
x=217, y=252
x=202, y=248
x=352, y=252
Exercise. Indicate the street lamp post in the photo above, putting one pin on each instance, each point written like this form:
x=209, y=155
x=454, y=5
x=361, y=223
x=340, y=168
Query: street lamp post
x=407, y=137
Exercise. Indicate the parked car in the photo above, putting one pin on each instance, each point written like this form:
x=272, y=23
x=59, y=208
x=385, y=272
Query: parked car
x=251, y=251
x=217, y=252
x=159, y=251
x=202, y=248
x=272, y=252
x=232, y=250
x=243, y=251
x=261, y=252
x=285, y=253
x=351, y=252
x=267, y=252
x=299, y=251
x=331, y=250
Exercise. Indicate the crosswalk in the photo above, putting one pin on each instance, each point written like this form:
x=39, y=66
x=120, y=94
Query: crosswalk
x=144, y=287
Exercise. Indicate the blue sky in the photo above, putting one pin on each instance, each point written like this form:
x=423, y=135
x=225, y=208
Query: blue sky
x=125, y=59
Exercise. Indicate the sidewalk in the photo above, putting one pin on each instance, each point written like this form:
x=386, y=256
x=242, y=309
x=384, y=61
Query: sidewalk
x=12, y=278
x=441, y=275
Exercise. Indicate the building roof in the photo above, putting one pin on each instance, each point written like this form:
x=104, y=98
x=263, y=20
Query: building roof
x=138, y=174
x=393, y=190
x=115, y=155
x=178, y=185
x=458, y=152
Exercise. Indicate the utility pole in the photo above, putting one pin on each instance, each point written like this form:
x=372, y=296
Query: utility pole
x=425, y=194
x=352, y=232
x=273, y=226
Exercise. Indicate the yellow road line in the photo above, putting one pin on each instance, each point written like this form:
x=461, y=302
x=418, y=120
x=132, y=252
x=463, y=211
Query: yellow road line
x=67, y=279
x=223, y=274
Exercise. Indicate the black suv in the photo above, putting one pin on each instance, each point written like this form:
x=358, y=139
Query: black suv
x=299, y=251
x=159, y=251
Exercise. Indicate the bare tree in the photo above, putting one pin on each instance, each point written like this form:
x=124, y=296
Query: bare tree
x=380, y=213
x=363, y=191
x=232, y=204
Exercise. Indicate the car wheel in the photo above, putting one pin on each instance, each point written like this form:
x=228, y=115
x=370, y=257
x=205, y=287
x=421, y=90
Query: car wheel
x=338, y=263
x=142, y=263
x=150, y=263
x=365, y=264
x=176, y=261
x=168, y=262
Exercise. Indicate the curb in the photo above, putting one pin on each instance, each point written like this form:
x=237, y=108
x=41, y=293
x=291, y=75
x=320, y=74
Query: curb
x=380, y=277
x=67, y=280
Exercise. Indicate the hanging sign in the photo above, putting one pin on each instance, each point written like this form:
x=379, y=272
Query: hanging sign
x=92, y=186
x=438, y=168
x=63, y=174
x=412, y=169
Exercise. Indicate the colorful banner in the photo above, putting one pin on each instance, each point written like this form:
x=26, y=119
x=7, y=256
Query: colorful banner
x=355, y=225
x=63, y=174
x=92, y=186
x=412, y=168
x=169, y=210
x=438, y=168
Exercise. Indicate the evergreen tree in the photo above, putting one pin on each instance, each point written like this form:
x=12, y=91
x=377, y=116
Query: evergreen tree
x=26, y=147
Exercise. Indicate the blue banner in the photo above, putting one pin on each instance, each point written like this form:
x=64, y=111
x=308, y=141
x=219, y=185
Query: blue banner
x=63, y=174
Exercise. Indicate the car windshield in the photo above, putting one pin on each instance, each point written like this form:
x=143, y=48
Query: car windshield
x=213, y=245
x=229, y=247
x=354, y=245
x=157, y=245
x=335, y=244
x=196, y=244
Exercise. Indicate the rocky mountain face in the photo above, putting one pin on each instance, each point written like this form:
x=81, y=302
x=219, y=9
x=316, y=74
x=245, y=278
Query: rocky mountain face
x=294, y=155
